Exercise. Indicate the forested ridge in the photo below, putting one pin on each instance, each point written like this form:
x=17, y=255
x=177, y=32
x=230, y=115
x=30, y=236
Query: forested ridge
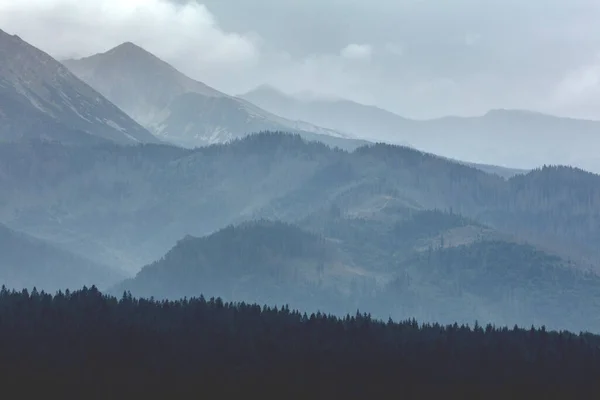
x=304, y=264
x=431, y=265
x=86, y=344
x=389, y=229
x=129, y=205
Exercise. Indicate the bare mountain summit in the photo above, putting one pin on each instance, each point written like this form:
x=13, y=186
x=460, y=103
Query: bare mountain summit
x=40, y=98
x=179, y=109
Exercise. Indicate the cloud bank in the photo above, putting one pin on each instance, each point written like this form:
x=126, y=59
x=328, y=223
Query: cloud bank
x=74, y=28
x=417, y=58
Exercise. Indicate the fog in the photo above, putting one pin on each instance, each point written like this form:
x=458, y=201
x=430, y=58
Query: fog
x=274, y=219
x=420, y=59
x=119, y=170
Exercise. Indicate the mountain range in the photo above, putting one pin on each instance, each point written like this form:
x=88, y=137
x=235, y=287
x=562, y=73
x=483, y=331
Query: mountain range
x=295, y=214
x=181, y=110
x=40, y=98
x=515, y=138
x=135, y=202
x=518, y=247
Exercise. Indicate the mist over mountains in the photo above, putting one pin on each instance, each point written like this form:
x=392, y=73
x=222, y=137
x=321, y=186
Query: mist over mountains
x=129, y=206
x=189, y=191
x=179, y=109
x=299, y=200
x=515, y=138
x=40, y=98
x=28, y=262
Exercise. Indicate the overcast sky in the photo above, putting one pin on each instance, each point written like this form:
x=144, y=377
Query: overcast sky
x=419, y=58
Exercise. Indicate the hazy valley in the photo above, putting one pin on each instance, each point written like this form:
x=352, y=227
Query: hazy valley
x=161, y=237
x=374, y=226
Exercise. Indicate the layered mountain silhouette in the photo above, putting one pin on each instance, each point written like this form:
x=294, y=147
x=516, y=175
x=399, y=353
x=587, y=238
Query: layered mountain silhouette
x=296, y=214
x=381, y=268
x=40, y=98
x=130, y=205
x=179, y=109
x=28, y=262
x=515, y=138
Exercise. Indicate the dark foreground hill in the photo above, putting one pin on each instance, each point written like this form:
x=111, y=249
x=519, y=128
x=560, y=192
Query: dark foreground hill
x=86, y=345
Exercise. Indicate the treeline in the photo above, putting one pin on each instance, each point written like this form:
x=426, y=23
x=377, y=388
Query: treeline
x=400, y=269
x=88, y=345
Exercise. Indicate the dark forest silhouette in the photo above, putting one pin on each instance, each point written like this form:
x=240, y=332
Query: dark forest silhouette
x=87, y=344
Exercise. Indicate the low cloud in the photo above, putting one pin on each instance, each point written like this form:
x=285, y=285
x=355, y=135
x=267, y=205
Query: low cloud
x=357, y=52
x=578, y=93
x=75, y=28
x=394, y=49
x=416, y=58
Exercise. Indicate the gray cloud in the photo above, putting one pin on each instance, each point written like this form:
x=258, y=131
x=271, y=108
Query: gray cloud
x=416, y=57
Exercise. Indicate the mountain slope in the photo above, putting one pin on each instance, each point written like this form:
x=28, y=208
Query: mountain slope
x=40, y=98
x=489, y=281
x=26, y=262
x=364, y=121
x=179, y=109
x=128, y=206
x=515, y=138
x=265, y=261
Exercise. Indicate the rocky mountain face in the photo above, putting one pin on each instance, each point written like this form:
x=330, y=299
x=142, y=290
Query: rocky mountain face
x=179, y=109
x=41, y=98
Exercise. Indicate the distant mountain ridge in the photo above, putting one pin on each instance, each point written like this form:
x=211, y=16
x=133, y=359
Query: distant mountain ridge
x=512, y=138
x=40, y=98
x=179, y=109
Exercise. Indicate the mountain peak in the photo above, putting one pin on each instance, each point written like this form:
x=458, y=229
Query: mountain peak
x=131, y=51
x=128, y=46
x=136, y=65
x=175, y=106
x=47, y=101
x=266, y=91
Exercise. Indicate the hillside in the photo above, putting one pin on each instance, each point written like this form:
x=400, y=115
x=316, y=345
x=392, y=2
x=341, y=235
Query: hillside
x=505, y=283
x=26, y=262
x=265, y=262
x=41, y=99
x=514, y=138
x=128, y=206
x=411, y=270
x=179, y=109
